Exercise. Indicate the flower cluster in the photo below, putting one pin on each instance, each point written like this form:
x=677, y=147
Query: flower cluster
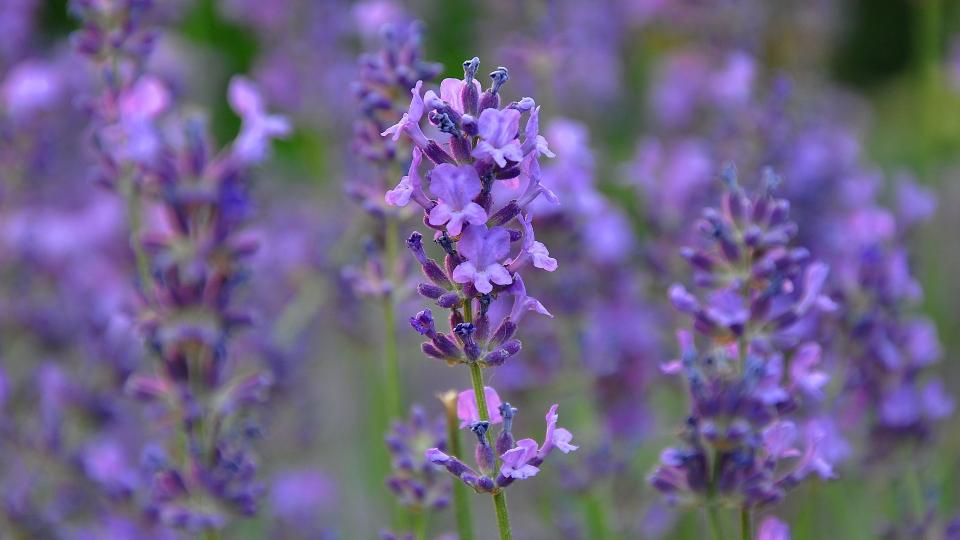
x=480, y=147
x=518, y=459
x=384, y=80
x=891, y=347
x=198, y=252
x=484, y=174
x=742, y=433
x=192, y=257
x=414, y=479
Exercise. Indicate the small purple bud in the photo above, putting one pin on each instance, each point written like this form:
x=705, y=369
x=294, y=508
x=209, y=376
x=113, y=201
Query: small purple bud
x=500, y=355
x=431, y=291
x=446, y=346
x=430, y=349
x=430, y=268
x=449, y=300
x=468, y=95
x=484, y=453
x=465, y=331
x=504, y=215
x=437, y=154
x=503, y=332
x=505, y=440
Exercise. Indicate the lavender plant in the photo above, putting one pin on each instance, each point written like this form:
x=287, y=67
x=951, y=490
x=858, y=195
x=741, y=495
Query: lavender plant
x=478, y=146
x=749, y=382
x=190, y=263
x=385, y=77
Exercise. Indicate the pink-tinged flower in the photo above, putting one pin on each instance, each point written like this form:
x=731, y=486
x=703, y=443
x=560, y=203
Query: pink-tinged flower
x=803, y=374
x=532, y=250
x=252, y=144
x=134, y=137
x=498, y=133
x=467, y=410
x=523, y=303
x=484, y=250
x=451, y=91
x=773, y=529
x=556, y=437
x=409, y=123
x=516, y=461
x=455, y=188
x=410, y=185
x=533, y=141
x=779, y=438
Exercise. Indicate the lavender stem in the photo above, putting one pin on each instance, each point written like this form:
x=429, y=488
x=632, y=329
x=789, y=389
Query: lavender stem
x=499, y=497
x=746, y=523
x=713, y=519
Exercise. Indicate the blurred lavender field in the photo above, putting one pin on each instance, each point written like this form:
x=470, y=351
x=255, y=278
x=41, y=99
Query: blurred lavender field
x=326, y=269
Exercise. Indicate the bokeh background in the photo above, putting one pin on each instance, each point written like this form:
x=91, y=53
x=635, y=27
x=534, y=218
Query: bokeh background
x=633, y=82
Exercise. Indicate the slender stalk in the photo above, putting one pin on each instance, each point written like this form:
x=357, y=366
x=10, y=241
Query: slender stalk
x=461, y=506
x=713, y=520
x=391, y=361
x=419, y=518
x=746, y=523
x=131, y=194
x=476, y=377
x=915, y=489
x=503, y=517
x=595, y=516
x=211, y=534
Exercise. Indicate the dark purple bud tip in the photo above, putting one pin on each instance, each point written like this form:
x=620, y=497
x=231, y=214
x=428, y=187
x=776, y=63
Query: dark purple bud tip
x=499, y=77
x=470, y=68
x=415, y=244
x=464, y=330
x=480, y=429
x=423, y=322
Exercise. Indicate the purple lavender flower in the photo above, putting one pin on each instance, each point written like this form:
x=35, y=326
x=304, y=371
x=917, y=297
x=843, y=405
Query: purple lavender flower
x=414, y=479
x=740, y=438
x=484, y=250
x=258, y=126
x=455, y=188
x=519, y=459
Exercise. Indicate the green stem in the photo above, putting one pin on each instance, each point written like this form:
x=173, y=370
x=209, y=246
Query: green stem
x=461, y=506
x=595, y=515
x=499, y=497
x=391, y=366
x=419, y=518
x=476, y=377
x=135, y=215
x=713, y=519
x=211, y=534
x=503, y=518
x=746, y=523
x=915, y=488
